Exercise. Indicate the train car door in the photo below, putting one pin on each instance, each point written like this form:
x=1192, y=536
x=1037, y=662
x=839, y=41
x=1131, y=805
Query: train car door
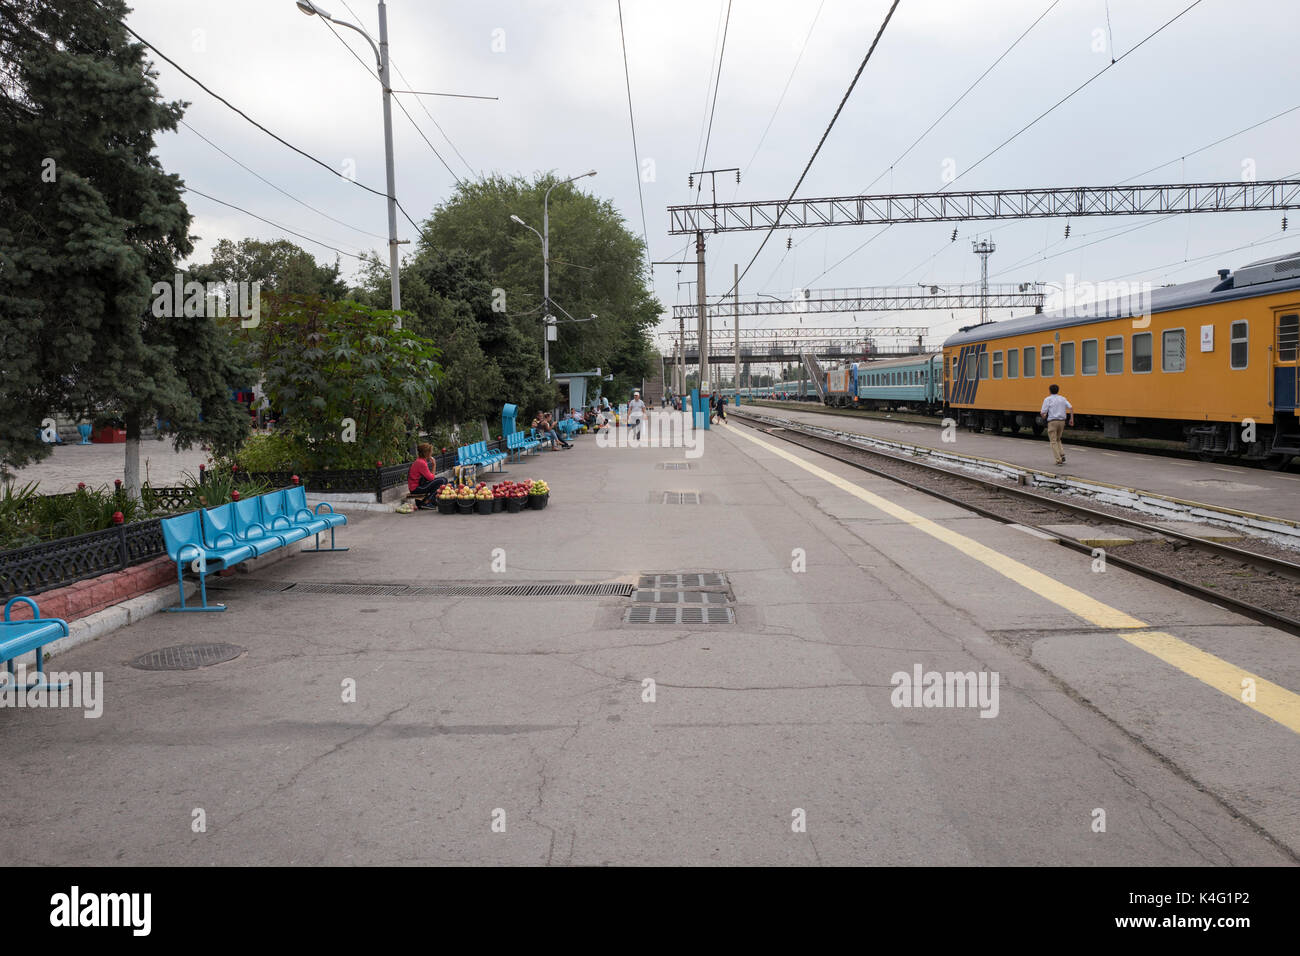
x=1286, y=366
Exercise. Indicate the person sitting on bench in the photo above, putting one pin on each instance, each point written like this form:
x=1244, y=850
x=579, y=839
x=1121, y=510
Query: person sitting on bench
x=420, y=480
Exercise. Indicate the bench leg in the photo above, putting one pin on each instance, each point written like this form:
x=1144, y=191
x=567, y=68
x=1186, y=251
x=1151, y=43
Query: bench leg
x=319, y=548
x=203, y=593
x=41, y=680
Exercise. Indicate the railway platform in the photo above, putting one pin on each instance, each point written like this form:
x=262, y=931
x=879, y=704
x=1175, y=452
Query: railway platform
x=1236, y=487
x=457, y=689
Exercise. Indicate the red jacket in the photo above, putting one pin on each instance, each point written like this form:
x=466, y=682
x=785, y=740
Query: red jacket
x=419, y=472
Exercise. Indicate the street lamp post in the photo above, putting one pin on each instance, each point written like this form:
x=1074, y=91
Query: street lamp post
x=311, y=8
x=545, y=236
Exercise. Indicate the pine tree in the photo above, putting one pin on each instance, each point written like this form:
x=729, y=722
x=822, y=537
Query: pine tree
x=89, y=221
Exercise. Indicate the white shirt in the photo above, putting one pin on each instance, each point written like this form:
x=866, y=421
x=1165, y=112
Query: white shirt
x=635, y=409
x=1055, y=407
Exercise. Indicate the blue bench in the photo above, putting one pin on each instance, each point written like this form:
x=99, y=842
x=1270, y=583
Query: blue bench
x=221, y=537
x=568, y=428
x=20, y=637
x=477, y=454
x=520, y=444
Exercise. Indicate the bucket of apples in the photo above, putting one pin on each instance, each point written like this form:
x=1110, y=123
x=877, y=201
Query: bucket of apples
x=539, y=493
x=465, y=499
x=447, y=499
x=514, y=495
x=483, y=498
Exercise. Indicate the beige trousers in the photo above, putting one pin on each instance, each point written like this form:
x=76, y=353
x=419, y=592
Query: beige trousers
x=1054, y=432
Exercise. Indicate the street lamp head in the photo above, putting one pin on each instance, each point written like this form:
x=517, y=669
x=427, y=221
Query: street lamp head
x=591, y=173
x=517, y=219
x=312, y=9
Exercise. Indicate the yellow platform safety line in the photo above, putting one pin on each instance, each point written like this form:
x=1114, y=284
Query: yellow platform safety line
x=1271, y=700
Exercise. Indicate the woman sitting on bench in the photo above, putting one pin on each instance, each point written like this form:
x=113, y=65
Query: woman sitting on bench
x=420, y=480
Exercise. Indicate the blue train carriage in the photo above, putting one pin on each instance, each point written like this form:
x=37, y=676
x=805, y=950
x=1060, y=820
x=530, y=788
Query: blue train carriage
x=842, y=386
x=914, y=383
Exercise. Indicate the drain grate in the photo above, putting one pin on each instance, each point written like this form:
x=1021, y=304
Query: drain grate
x=680, y=597
x=655, y=614
x=662, y=582
x=187, y=657
x=675, y=466
x=681, y=498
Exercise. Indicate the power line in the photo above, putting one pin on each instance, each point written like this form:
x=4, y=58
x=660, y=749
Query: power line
x=1077, y=89
x=704, y=160
x=636, y=153
x=1210, y=145
x=191, y=189
x=788, y=80
x=401, y=107
x=393, y=64
x=277, y=188
x=862, y=66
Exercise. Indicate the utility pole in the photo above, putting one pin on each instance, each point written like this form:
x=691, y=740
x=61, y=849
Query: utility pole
x=704, y=314
x=983, y=248
x=736, y=292
x=679, y=364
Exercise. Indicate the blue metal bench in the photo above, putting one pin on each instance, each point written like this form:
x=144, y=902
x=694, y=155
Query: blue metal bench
x=222, y=529
x=295, y=500
x=183, y=536
x=19, y=637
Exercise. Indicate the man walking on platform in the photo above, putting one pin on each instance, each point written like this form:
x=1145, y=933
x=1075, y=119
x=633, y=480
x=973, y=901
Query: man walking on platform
x=1056, y=409
x=635, y=411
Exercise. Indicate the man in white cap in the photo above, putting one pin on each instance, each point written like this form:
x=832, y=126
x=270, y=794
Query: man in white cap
x=635, y=410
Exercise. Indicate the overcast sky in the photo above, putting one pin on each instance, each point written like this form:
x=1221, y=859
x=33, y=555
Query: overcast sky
x=557, y=68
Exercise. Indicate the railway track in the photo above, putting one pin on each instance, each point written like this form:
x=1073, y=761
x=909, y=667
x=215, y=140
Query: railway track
x=1082, y=437
x=1262, y=586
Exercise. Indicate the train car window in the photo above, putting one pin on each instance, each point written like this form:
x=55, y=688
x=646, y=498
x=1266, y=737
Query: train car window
x=1048, y=360
x=1013, y=363
x=997, y=364
x=1288, y=337
x=1029, y=362
x=1114, y=354
x=971, y=368
x=1141, y=352
x=1089, y=357
x=984, y=365
x=1173, y=350
x=1239, y=344
x=1067, y=358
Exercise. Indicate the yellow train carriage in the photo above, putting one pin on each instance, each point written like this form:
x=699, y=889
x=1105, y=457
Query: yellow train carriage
x=1212, y=361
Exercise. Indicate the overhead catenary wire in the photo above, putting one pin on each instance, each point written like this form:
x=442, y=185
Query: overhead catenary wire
x=631, y=116
x=862, y=66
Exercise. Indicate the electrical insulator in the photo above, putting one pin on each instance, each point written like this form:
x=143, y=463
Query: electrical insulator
x=788, y=242
x=1067, y=230
x=738, y=175
x=954, y=235
x=1284, y=223
x=690, y=180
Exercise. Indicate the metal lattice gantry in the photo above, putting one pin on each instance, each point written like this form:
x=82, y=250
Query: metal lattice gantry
x=1050, y=203
x=789, y=344
x=1027, y=295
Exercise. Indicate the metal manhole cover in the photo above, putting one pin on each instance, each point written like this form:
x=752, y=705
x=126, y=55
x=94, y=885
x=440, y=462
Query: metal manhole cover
x=650, y=614
x=665, y=582
x=681, y=498
x=651, y=596
x=187, y=657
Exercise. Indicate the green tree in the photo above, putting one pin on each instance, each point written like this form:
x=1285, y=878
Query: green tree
x=597, y=267
x=281, y=266
x=88, y=222
x=350, y=386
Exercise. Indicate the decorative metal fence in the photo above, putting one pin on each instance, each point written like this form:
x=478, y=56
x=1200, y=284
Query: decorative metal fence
x=54, y=564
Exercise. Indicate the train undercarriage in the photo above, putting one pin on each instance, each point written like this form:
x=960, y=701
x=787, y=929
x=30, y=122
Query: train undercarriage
x=1271, y=445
